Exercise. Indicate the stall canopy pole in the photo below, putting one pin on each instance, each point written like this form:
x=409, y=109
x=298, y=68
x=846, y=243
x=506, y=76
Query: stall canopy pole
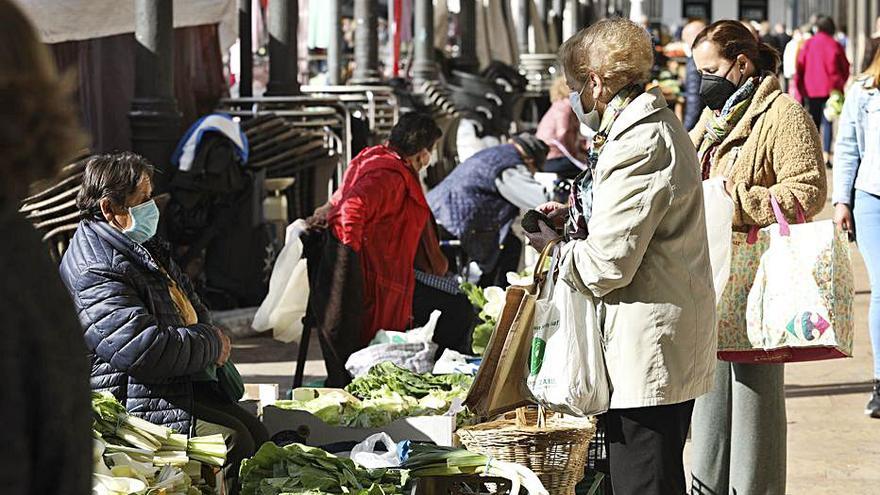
x=283, y=18
x=245, y=52
x=334, y=49
x=424, y=68
x=366, y=42
x=467, y=28
x=154, y=118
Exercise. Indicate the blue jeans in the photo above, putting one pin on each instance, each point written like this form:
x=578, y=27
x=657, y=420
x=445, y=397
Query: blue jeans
x=867, y=217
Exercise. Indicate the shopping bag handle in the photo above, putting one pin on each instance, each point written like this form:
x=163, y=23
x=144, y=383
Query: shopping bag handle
x=784, y=226
x=539, y=265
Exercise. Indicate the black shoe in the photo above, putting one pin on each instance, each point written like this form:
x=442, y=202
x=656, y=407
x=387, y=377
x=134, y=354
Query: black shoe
x=873, y=407
x=828, y=164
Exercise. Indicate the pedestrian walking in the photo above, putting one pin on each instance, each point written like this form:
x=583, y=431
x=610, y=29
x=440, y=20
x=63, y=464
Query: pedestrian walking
x=822, y=67
x=790, y=57
x=856, y=195
x=693, y=105
x=762, y=142
x=646, y=255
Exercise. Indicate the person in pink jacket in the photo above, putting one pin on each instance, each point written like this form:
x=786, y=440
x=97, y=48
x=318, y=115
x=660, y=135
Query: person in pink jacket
x=822, y=67
x=559, y=128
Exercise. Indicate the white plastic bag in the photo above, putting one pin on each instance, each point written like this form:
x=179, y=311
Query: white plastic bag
x=566, y=329
x=415, y=336
x=285, y=304
x=455, y=362
x=365, y=455
x=719, y=229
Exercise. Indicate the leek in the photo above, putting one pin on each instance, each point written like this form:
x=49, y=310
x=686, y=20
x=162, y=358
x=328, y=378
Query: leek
x=210, y=449
x=431, y=460
x=172, y=458
x=112, y=419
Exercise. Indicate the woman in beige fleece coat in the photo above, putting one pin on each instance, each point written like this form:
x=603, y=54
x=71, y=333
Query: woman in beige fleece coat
x=763, y=143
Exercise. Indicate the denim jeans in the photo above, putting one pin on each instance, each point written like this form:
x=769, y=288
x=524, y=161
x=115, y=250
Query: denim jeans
x=867, y=217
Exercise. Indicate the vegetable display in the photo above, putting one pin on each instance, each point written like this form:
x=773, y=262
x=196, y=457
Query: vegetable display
x=299, y=470
x=432, y=460
x=490, y=303
x=134, y=456
x=404, y=382
x=385, y=394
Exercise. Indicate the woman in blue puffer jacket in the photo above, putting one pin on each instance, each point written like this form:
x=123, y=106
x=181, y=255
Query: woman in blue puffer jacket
x=148, y=335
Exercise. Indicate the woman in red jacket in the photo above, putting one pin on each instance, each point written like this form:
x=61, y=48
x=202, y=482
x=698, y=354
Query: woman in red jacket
x=374, y=228
x=822, y=67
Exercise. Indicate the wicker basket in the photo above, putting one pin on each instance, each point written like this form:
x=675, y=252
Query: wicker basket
x=554, y=447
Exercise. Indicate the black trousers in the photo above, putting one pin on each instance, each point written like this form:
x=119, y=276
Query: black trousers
x=508, y=261
x=456, y=320
x=249, y=433
x=645, y=447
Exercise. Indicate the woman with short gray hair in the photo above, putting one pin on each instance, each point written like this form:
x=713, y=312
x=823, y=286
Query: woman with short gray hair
x=636, y=241
x=150, y=340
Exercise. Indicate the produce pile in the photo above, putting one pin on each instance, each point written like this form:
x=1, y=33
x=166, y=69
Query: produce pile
x=489, y=302
x=134, y=456
x=385, y=394
x=299, y=470
x=432, y=460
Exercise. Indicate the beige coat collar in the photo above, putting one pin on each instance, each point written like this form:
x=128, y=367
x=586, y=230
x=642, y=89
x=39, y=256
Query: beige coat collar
x=645, y=105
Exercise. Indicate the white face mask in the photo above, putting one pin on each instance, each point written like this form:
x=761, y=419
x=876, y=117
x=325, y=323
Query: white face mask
x=590, y=119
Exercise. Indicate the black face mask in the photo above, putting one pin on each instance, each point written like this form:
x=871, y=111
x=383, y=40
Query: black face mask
x=716, y=90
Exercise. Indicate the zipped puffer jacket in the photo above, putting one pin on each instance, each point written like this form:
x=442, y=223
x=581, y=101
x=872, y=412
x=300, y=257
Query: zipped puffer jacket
x=139, y=347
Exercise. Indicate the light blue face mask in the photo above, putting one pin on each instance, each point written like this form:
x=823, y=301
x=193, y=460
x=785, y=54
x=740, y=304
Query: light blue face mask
x=590, y=119
x=144, y=220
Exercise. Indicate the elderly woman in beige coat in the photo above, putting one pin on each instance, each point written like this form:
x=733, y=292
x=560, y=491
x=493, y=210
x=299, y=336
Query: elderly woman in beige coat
x=637, y=241
x=763, y=143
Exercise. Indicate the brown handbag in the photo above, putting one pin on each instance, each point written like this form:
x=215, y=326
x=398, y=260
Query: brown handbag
x=500, y=385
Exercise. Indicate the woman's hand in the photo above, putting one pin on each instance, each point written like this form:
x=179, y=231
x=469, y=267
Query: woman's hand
x=539, y=240
x=318, y=220
x=729, y=187
x=843, y=217
x=225, y=347
x=550, y=206
x=556, y=212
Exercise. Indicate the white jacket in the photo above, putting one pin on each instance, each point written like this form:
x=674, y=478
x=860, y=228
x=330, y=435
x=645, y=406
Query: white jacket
x=647, y=258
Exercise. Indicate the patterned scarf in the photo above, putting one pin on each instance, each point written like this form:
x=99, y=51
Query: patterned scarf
x=580, y=201
x=719, y=126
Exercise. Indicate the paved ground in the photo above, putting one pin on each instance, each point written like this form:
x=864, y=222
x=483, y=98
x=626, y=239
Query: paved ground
x=833, y=448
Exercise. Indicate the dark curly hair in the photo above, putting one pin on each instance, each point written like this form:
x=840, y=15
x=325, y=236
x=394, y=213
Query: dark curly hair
x=39, y=130
x=112, y=176
x=414, y=132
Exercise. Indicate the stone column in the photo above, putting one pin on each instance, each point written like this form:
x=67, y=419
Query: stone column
x=467, y=26
x=366, y=42
x=522, y=26
x=283, y=17
x=424, y=68
x=154, y=118
x=246, y=56
x=335, y=59
x=559, y=10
